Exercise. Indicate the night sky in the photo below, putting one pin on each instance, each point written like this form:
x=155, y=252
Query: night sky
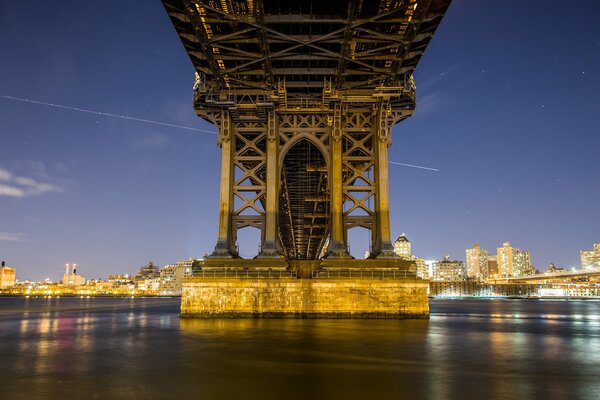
x=508, y=110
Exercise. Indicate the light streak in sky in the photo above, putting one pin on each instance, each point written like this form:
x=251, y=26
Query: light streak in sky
x=105, y=114
x=149, y=121
x=414, y=166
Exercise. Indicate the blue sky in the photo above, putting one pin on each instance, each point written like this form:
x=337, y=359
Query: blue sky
x=508, y=110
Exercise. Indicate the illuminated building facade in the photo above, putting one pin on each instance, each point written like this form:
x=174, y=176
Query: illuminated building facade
x=187, y=266
x=402, y=246
x=448, y=270
x=70, y=278
x=171, y=279
x=590, y=259
x=7, y=276
x=148, y=271
x=477, y=262
x=513, y=262
x=492, y=263
x=422, y=267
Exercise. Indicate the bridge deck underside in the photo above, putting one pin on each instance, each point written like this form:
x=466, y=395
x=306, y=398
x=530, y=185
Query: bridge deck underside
x=256, y=44
x=304, y=203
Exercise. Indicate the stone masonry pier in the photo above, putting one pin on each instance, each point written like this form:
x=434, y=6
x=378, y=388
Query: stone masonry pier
x=383, y=292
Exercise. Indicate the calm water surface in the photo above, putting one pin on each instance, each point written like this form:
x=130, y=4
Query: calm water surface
x=110, y=348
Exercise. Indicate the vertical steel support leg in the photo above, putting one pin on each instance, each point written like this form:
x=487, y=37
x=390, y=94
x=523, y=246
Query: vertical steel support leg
x=337, y=245
x=269, y=245
x=225, y=247
x=382, y=241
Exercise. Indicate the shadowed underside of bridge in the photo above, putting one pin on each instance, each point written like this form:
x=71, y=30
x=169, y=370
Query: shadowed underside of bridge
x=304, y=94
x=304, y=203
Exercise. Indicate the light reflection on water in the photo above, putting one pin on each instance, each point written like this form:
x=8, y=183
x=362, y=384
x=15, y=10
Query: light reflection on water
x=141, y=349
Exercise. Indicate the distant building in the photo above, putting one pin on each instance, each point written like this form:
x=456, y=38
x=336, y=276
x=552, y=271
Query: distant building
x=121, y=279
x=7, y=276
x=402, y=246
x=590, y=259
x=552, y=269
x=71, y=278
x=477, y=263
x=150, y=285
x=171, y=279
x=188, y=266
x=422, y=268
x=148, y=271
x=492, y=263
x=513, y=262
x=448, y=270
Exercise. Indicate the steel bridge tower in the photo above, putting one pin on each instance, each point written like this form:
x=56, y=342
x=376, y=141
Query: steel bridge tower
x=304, y=95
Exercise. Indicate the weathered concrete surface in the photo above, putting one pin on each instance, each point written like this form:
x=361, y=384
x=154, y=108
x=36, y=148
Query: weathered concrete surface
x=305, y=298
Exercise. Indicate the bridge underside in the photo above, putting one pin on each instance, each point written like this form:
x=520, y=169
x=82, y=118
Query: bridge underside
x=304, y=94
x=304, y=203
x=336, y=75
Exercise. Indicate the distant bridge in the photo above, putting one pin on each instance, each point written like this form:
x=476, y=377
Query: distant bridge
x=560, y=277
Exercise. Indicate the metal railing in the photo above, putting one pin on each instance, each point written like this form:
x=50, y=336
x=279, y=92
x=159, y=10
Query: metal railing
x=238, y=273
x=362, y=273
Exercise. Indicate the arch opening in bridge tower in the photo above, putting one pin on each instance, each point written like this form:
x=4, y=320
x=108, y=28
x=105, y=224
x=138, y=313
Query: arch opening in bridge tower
x=248, y=242
x=304, y=214
x=359, y=239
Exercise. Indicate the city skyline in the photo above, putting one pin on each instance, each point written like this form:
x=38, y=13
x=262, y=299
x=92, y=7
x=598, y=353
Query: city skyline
x=513, y=140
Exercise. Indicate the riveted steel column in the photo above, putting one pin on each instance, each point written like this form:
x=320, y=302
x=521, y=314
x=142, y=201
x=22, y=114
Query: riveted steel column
x=225, y=243
x=337, y=245
x=269, y=244
x=382, y=243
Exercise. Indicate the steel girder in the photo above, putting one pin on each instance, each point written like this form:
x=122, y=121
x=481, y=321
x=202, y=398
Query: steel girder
x=304, y=94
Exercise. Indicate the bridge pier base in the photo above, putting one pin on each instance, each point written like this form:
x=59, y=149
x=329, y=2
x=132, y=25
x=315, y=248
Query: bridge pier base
x=306, y=289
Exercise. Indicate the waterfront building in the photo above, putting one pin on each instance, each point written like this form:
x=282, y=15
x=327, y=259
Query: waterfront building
x=422, y=267
x=552, y=269
x=480, y=289
x=477, y=263
x=70, y=278
x=121, y=279
x=402, y=246
x=590, y=259
x=148, y=271
x=513, y=261
x=7, y=276
x=492, y=263
x=171, y=279
x=150, y=285
x=188, y=266
x=448, y=270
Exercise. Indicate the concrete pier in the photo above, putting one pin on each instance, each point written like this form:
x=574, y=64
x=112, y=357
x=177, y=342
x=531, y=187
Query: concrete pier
x=321, y=293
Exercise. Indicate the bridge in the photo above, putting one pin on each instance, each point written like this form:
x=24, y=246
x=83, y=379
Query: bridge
x=304, y=95
x=577, y=276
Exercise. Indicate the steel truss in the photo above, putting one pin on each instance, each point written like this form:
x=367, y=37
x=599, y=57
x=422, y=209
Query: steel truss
x=304, y=94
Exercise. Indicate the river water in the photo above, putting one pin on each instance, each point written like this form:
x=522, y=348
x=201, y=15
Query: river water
x=123, y=348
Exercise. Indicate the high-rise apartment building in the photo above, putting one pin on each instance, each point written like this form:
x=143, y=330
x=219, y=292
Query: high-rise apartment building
x=448, y=270
x=492, y=263
x=477, y=263
x=422, y=268
x=513, y=262
x=590, y=259
x=402, y=246
x=7, y=276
